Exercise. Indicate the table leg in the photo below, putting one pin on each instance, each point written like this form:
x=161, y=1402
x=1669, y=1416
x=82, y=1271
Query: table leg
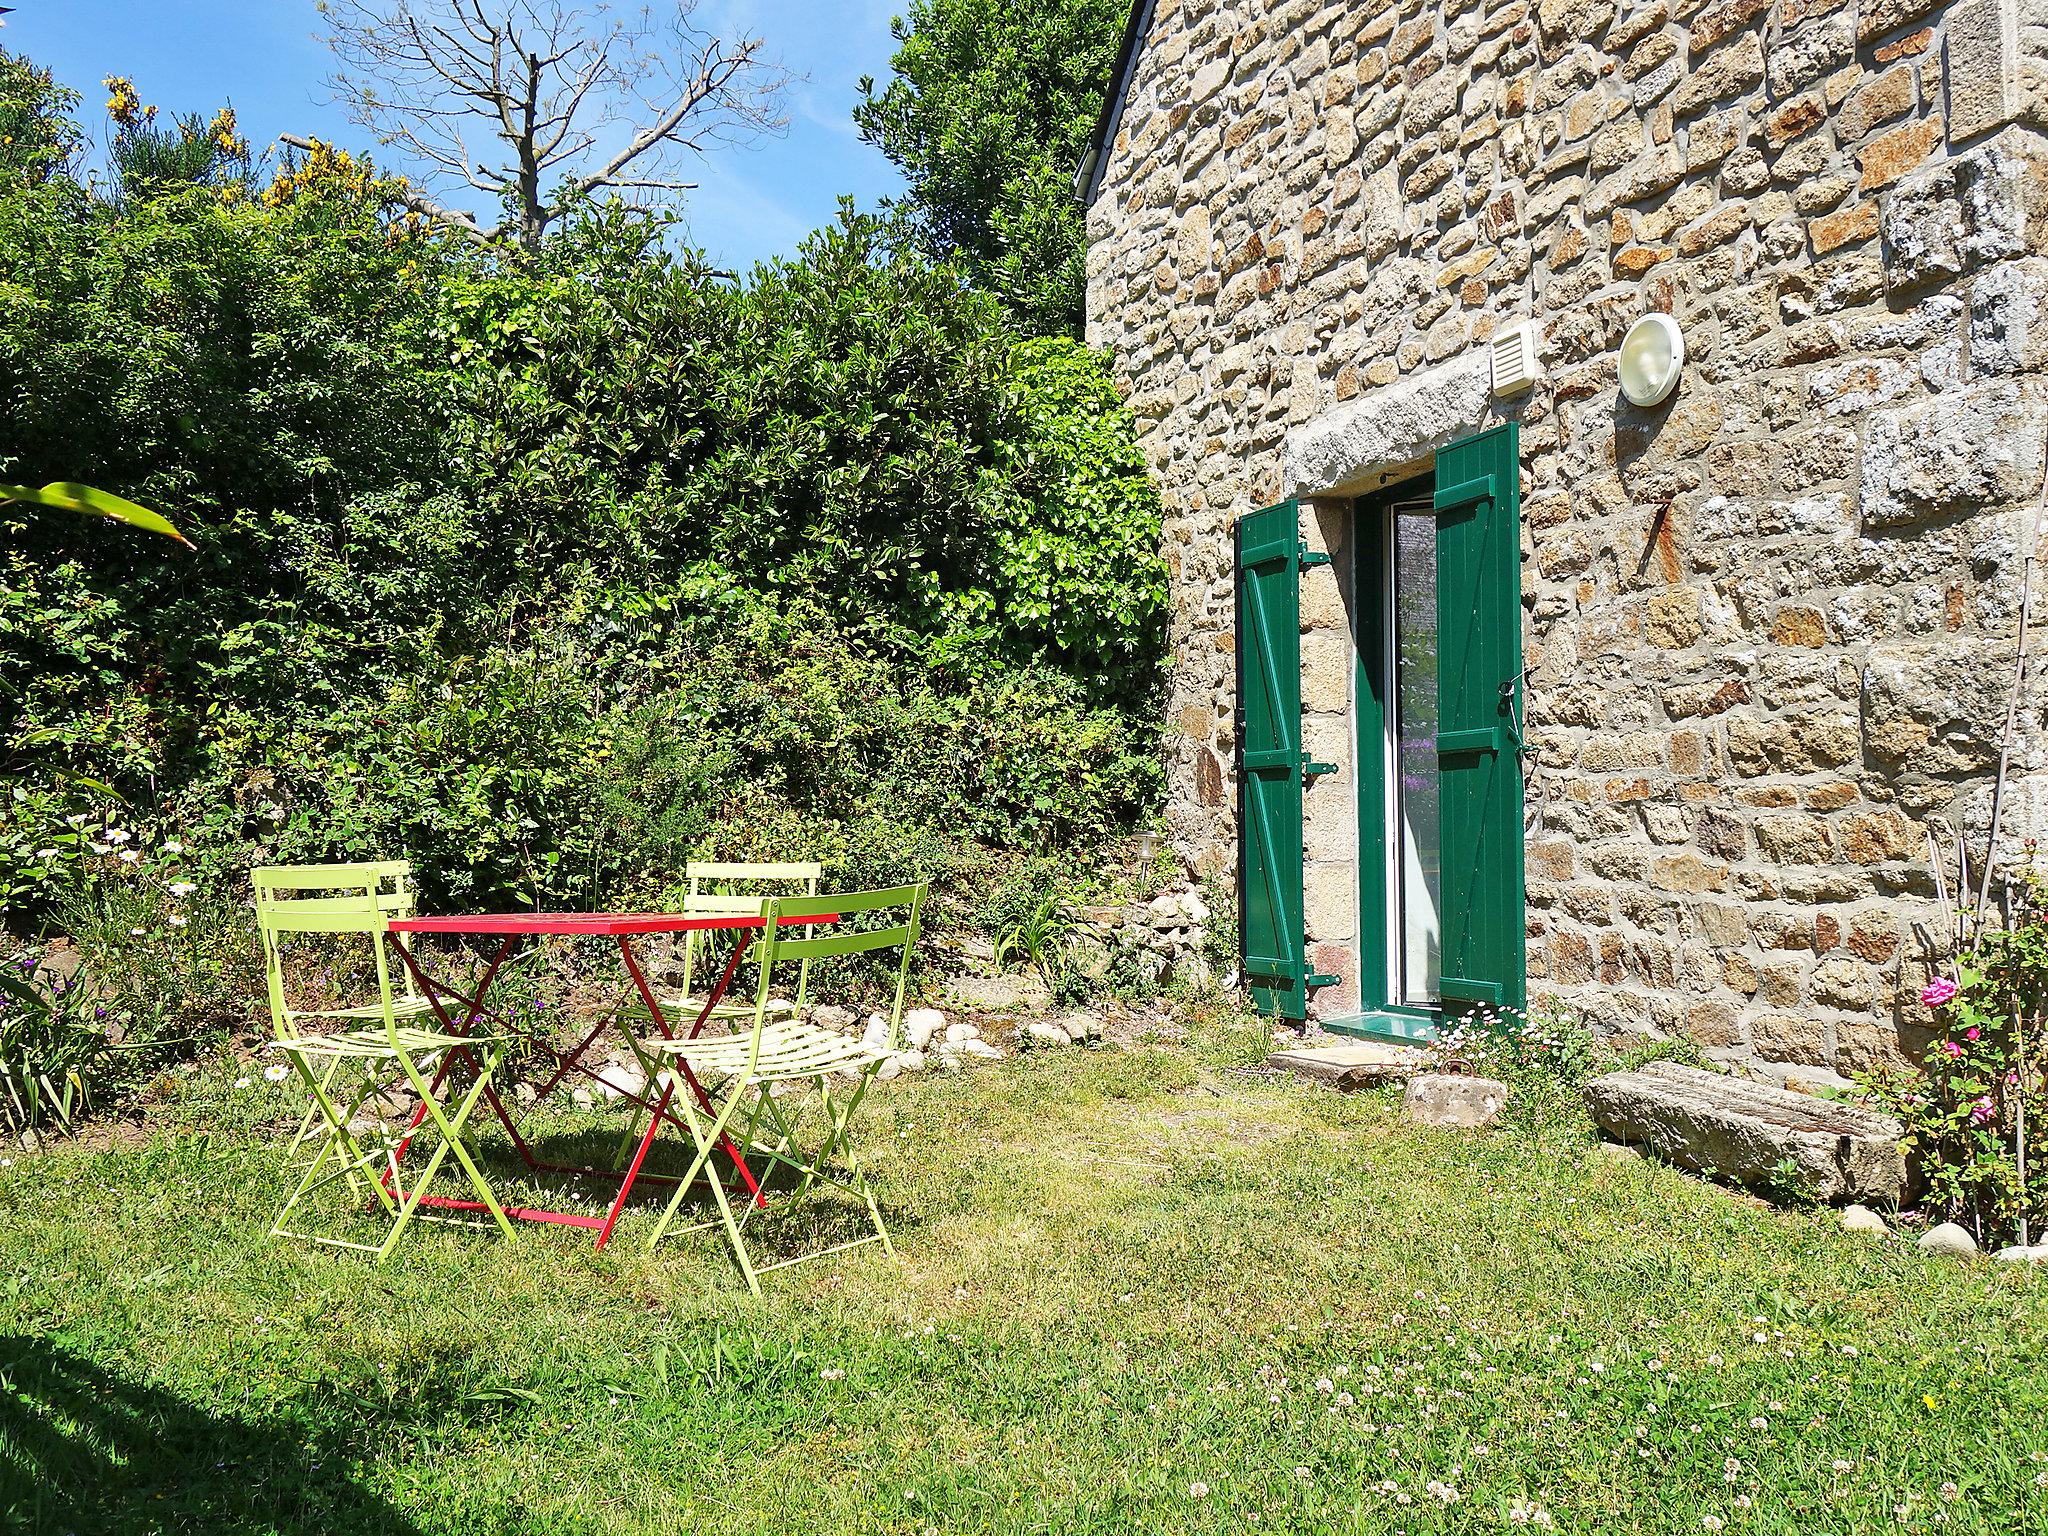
x=717, y=994
x=433, y=994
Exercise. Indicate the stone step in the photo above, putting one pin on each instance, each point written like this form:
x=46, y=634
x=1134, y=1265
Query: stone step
x=1750, y=1131
x=1354, y=1065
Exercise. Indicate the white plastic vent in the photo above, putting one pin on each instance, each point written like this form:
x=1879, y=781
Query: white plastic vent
x=1517, y=358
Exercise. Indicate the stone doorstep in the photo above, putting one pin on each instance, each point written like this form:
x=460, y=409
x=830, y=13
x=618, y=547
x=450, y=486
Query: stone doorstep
x=1345, y=1067
x=1745, y=1130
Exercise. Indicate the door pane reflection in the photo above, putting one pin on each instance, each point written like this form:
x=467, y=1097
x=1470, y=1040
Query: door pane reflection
x=1417, y=879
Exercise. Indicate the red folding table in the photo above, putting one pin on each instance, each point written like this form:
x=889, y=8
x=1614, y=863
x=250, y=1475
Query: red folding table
x=624, y=926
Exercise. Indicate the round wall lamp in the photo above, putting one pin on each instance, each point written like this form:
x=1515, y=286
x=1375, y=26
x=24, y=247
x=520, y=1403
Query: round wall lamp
x=1652, y=353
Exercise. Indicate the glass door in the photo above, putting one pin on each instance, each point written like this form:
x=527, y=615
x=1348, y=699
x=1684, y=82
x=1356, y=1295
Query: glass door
x=1439, y=629
x=1399, y=713
x=1412, y=848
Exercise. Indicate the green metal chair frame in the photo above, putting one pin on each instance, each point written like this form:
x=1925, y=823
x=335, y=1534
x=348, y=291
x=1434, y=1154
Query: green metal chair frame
x=771, y=1051
x=385, y=1048
x=711, y=894
x=390, y=881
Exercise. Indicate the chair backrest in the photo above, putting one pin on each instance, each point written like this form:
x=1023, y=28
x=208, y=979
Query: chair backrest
x=726, y=890
x=353, y=898
x=868, y=921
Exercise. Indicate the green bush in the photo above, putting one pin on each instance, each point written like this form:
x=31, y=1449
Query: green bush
x=1976, y=1106
x=547, y=571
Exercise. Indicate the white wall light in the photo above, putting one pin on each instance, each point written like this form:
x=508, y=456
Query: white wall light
x=1652, y=353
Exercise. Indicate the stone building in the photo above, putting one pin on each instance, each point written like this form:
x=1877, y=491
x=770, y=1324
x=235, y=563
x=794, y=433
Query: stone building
x=1656, y=711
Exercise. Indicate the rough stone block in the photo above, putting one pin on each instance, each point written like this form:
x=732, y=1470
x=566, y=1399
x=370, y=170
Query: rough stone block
x=1397, y=425
x=1327, y=663
x=1950, y=456
x=1983, y=66
x=1453, y=1101
x=1346, y=1067
x=1747, y=1131
x=2008, y=331
x=1877, y=17
x=1952, y=217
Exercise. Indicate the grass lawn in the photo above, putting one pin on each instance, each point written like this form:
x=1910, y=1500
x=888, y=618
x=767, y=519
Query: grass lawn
x=1137, y=1290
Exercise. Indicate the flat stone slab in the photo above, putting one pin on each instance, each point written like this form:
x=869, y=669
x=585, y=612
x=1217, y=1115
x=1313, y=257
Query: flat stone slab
x=1747, y=1131
x=1350, y=1066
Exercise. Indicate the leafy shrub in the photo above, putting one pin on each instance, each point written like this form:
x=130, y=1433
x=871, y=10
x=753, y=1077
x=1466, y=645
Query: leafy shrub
x=51, y=1046
x=1543, y=1055
x=1981, y=1082
x=547, y=571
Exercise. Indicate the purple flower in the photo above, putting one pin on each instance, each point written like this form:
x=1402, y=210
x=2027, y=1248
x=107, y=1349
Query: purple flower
x=1937, y=992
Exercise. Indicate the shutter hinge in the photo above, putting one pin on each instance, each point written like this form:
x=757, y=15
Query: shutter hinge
x=1319, y=979
x=1310, y=771
x=1311, y=558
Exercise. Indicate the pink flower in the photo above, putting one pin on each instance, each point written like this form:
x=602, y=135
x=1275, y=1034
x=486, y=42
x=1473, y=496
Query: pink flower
x=1972, y=1033
x=1937, y=992
x=1981, y=1111
x=1950, y=1049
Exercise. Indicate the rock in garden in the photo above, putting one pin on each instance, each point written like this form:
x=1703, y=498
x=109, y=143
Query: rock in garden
x=1949, y=1238
x=962, y=1030
x=992, y=993
x=2037, y=1254
x=1042, y=1032
x=920, y=1024
x=1082, y=1027
x=1861, y=1218
x=832, y=1016
x=910, y=1061
x=619, y=1080
x=891, y=1068
x=876, y=1036
x=1750, y=1131
x=1452, y=1100
x=980, y=1049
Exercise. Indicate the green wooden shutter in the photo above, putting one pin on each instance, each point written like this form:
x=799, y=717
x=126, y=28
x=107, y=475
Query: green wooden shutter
x=1479, y=668
x=1269, y=759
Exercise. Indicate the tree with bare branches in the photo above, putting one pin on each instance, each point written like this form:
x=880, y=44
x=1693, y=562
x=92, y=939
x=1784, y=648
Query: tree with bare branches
x=542, y=103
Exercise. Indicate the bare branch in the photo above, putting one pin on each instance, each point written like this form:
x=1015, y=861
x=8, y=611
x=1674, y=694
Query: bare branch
x=579, y=98
x=414, y=200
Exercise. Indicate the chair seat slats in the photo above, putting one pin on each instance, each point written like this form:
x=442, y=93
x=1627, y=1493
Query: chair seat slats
x=787, y=1050
x=375, y=1043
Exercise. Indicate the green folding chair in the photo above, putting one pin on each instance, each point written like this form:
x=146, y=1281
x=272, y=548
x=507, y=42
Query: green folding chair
x=390, y=881
x=722, y=890
x=346, y=1069
x=742, y=1069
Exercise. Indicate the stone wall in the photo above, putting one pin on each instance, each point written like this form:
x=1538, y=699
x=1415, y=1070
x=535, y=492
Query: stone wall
x=1771, y=622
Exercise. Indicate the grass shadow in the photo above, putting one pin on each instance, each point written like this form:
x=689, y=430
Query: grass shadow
x=83, y=1450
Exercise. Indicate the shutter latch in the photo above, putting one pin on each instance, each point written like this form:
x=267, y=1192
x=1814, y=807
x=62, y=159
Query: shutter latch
x=1310, y=772
x=1311, y=558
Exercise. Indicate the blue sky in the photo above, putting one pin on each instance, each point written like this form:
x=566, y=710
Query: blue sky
x=266, y=57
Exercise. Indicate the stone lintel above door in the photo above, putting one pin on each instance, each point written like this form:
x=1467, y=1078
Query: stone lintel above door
x=1389, y=432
